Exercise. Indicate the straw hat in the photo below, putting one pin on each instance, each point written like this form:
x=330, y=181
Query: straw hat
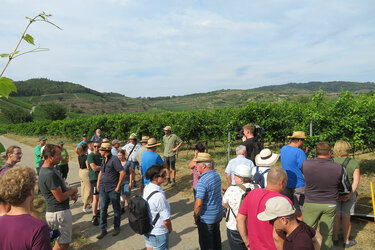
x=132, y=137
x=297, y=135
x=145, y=138
x=266, y=158
x=106, y=146
x=152, y=143
x=276, y=207
x=203, y=157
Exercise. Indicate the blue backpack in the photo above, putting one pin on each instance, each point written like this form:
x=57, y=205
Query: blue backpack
x=258, y=177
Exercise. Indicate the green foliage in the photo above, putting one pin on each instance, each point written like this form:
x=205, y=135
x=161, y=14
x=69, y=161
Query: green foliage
x=17, y=115
x=6, y=87
x=348, y=117
x=53, y=111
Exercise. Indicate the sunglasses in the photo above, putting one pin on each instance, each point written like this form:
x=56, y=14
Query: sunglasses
x=96, y=146
x=163, y=175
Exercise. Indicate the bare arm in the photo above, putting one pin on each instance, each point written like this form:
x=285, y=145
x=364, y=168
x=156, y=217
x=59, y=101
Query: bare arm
x=94, y=167
x=62, y=196
x=99, y=177
x=197, y=209
x=178, y=146
x=242, y=228
x=356, y=177
x=317, y=240
x=168, y=225
x=229, y=179
x=130, y=177
x=192, y=163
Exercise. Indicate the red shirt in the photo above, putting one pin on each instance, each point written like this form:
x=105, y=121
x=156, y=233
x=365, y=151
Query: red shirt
x=259, y=232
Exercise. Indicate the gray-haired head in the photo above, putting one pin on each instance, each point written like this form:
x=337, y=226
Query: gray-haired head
x=240, y=150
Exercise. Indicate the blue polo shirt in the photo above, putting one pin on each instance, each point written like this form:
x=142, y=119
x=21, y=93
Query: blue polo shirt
x=110, y=173
x=149, y=158
x=209, y=190
x=291, y=161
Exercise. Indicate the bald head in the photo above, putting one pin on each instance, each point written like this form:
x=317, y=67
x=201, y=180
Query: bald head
x=276, y=175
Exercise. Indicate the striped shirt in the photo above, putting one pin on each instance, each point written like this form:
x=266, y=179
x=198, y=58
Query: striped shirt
x=209, y=190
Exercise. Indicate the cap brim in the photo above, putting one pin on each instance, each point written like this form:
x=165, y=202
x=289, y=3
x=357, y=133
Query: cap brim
x=264, y=217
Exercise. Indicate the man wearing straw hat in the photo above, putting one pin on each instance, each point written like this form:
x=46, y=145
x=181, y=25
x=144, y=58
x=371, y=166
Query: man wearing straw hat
x=292, y=156
x=109, y=183
x=150, y=158
x=208, y=209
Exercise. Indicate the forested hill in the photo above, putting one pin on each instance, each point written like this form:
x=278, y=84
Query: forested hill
x=42, y=86
x=336, y=86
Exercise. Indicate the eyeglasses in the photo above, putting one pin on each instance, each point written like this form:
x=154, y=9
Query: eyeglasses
x=96, y=146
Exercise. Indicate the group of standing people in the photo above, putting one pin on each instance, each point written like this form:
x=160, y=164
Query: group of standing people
x=266, y=207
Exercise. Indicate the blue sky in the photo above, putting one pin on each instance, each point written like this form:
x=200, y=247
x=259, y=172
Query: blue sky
x=164, y=48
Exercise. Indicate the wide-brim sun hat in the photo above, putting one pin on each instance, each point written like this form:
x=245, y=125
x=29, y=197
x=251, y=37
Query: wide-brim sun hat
x=132, y=137
x=145, y=138
x=243, y=170
x=298, y=135
x=152, y=143
x=106, y=146
x=276, y=207
x=266, y=158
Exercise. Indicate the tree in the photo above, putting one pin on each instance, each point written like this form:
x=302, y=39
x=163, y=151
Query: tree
x=17, y=115
x=53, y=111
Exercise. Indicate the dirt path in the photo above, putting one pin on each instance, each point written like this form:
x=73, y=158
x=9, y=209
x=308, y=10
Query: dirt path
x=184, y=235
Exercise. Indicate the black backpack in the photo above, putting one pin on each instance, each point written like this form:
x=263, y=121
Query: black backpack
x=259, y=177
x=139, y=214
x=345, y=187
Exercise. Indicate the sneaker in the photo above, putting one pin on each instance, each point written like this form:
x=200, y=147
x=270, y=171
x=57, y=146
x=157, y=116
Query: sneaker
x=116, y=231
x=86, y=210
x=350, y=243
x=95, y=220
x=101, y=235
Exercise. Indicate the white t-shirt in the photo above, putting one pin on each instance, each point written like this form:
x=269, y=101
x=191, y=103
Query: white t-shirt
x=261, y=170
x=158, y=204
x=232, y=197
x=128, y=148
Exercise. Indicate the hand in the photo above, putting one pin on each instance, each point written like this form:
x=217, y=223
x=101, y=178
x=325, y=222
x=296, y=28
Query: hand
x=74, y=197
x=75, y=190
x=244, y=138
x=130, y=185
x=196, y=219
x=117, y=190
x=173, y=149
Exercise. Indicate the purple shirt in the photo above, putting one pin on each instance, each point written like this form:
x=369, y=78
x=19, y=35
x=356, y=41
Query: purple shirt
x=23, y=232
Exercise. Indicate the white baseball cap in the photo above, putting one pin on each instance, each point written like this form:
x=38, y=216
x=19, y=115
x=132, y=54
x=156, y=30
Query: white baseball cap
x=276, y=207
x=243, y=171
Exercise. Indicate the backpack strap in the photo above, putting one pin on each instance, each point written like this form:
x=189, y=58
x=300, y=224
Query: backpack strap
x=158, y=215
x=242, y=186
x=345, y=163
x=131, y=151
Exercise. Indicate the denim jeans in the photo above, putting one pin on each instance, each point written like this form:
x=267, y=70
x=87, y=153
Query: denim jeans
x=235, y=240
x=209, y=236
x=105, y=199
x=157, y=242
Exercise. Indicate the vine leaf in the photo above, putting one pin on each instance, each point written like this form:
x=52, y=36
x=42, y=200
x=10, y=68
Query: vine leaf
x=29, y=39
x=6, y=87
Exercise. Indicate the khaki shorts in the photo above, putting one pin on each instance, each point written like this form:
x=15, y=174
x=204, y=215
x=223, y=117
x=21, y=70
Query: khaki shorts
x=63, y=221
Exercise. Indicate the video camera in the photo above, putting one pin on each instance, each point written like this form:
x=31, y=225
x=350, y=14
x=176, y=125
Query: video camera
x=259, y=132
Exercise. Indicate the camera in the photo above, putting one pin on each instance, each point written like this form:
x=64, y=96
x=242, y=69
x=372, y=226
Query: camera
x=259, y=132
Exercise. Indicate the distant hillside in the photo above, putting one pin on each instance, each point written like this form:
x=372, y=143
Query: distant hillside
x=42, y=86
x=336, y=86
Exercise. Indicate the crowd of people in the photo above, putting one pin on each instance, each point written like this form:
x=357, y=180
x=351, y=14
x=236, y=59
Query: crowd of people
x=297, y=206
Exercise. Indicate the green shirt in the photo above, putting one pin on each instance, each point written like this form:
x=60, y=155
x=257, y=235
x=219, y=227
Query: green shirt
x=352, y=165
x=64, y=154
x=97, y=160
x=38, y=158
x=170, y=142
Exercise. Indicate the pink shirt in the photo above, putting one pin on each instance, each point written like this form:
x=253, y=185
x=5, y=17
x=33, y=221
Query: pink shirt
x=259, y=232
x=195, y=176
